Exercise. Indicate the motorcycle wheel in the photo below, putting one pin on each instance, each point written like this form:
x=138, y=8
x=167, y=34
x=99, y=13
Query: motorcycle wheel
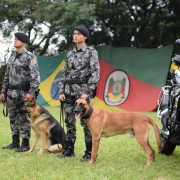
x=167, y=146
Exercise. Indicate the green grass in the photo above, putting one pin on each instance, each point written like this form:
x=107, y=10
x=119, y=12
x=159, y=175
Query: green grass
x=119, y=158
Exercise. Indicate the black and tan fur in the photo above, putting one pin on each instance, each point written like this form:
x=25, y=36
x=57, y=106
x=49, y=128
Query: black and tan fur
x=46, y=128
x=104, y=123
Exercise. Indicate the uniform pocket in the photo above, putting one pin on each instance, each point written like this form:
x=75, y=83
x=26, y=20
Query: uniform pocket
x=12, y=94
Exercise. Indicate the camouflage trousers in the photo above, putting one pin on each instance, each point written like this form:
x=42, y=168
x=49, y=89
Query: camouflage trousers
x=70, y=122
x=19, y=122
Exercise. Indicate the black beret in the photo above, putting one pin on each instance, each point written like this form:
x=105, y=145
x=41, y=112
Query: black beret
x=82, y=29
x=22, y=37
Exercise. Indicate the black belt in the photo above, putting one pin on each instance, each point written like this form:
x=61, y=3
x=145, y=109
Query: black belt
x=17, y=86
x=77, y=81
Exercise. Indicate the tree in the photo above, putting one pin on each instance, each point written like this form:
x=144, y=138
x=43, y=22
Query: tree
x=119, y=23
x=139, y=23
x=46, y=22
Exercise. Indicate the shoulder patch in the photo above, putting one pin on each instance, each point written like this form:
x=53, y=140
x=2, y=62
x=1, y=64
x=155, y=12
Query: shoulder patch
x=33, y=61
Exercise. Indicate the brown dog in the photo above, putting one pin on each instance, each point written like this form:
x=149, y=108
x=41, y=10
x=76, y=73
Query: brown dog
x=45, y=127
x=103, y=123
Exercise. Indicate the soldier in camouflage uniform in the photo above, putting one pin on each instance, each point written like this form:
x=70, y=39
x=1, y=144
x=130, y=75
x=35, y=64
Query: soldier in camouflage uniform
x=21, y=81
x=80, y=76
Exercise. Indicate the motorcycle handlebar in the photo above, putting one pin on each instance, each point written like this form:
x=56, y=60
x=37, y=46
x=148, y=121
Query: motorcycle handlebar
x=177, y=42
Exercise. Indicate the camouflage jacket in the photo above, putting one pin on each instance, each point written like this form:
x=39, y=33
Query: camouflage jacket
x=22, y=67
x=79, y=64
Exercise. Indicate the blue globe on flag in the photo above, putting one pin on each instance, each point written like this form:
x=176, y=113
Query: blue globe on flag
x=54, y=87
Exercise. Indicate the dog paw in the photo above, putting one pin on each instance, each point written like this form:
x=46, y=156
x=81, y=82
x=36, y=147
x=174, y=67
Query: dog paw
x=28, y=151
x=91, y=162
x=40, y=152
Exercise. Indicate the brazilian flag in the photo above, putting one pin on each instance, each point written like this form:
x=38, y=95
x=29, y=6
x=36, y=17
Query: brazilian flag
x=50, y=72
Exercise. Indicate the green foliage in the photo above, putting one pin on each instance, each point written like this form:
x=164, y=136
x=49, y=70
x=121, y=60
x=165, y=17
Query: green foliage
x=138, y=23
x=50, y=24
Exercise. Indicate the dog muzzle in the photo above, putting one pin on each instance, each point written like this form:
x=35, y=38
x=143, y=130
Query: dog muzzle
x=86, y=116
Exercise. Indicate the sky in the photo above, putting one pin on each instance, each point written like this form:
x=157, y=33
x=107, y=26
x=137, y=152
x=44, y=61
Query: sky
x=4, y=47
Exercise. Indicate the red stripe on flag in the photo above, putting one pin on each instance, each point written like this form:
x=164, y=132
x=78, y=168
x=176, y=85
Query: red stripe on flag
x=123, y=89
x=109, y=89
x=142, y=96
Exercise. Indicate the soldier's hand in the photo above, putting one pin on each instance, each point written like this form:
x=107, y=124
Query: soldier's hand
x=2, y=96
x=62, y=97
x=28, y=97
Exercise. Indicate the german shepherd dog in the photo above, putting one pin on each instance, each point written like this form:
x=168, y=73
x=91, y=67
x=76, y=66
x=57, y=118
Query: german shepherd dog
x=46, y=128
x=104, y=123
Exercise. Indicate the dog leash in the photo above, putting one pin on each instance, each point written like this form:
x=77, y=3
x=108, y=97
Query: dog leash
x=5, y=111
x=62, y=114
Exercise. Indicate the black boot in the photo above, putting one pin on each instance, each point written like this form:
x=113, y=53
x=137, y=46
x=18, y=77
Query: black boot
x=69, y=151
x=14, y=144
x=25, y=146
x=87, y=155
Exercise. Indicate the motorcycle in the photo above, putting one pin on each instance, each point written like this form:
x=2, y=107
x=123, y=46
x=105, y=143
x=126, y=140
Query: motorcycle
x=168, y=110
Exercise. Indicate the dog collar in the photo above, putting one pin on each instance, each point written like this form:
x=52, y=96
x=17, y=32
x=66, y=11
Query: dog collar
x=88, y=114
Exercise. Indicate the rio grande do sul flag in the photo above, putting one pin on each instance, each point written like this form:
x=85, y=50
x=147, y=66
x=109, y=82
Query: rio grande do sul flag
x=130, y=78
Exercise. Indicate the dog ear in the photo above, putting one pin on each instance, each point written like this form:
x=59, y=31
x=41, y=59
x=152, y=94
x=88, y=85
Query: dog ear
x=33, y=101
x=34, y=98
x=88, y=99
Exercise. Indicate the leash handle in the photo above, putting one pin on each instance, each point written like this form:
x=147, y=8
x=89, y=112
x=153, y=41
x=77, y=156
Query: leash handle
x=5, y=111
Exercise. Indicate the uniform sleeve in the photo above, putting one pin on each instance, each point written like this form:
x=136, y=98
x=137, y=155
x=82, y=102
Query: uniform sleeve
x=62, y=79
x=94, y=72
x=5, y=82
x=34, y=75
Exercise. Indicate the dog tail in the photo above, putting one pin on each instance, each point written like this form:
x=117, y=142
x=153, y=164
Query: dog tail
x=156, y=131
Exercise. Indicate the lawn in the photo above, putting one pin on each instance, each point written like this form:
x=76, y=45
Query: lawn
x=119, y=158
